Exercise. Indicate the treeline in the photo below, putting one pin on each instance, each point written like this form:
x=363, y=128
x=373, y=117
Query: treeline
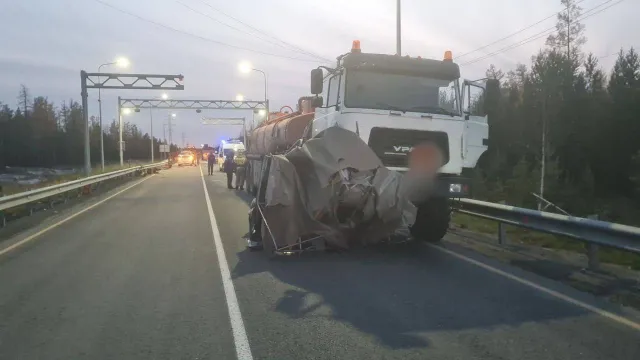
x=39, y=133
x=567, y=118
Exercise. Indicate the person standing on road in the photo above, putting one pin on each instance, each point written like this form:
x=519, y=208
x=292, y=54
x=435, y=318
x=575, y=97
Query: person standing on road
x=229, y=167
x=211, y=160
x=241, y=170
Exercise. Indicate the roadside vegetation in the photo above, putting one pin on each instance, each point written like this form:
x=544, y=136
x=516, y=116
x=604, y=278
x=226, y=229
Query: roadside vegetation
x=566, y=129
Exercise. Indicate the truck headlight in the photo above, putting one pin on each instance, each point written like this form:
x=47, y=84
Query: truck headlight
x=455, y=188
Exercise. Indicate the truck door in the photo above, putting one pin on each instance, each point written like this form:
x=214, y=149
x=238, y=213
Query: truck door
x=476, y=138
x=325, y=116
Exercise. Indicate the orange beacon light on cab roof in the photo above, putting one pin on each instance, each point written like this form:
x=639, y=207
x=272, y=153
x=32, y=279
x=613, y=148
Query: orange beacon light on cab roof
x=448, y=55
x=355, y=47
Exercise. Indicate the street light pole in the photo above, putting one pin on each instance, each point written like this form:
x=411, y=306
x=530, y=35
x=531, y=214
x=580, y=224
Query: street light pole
x=122, y=62
x=100, y=115
x=151, y=120
x=85, y=117
x=245, y=67
x=264, y=74
x=120, y=133
x=398, y=29
x=170, y=126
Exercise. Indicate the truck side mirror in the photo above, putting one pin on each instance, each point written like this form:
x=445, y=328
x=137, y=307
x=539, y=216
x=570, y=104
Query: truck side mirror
x=316, y=81
x=317, y=101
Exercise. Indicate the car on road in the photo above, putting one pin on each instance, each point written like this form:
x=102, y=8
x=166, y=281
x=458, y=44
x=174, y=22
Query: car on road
x=185, y=158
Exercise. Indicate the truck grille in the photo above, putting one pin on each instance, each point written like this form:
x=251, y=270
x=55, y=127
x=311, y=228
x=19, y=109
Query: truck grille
x=393, y=145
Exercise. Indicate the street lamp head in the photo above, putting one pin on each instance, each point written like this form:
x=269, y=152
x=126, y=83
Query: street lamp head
x=239, y=97
x=122, y=62
x=245, y=67
x=262, y=112
x=173, y=115
x=126, y=111
x=165, y=96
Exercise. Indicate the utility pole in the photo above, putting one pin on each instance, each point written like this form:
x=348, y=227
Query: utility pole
x=183, y=139
x=164, y=137
x=120, y=147
x=568, y=32
x=543, y=162
x=151, y=135
x=398, y=29
x=170, y=125
x=101, y=130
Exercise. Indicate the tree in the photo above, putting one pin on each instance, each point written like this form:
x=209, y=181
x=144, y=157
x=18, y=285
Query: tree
x=24, y=100
x=569, y=35
x=494, y=73
x=620, y=135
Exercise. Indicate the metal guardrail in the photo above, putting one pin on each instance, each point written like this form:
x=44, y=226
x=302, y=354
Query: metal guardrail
x=23, y=198
x=593, y=232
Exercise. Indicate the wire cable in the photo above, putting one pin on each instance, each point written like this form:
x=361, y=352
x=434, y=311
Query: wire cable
x=247, y=32
x=201, y=37
x=590, y=12
x=515, y=33
x=266, y=34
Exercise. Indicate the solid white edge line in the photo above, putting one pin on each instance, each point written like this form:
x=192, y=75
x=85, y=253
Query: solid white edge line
x=611, y=316
x=243, y=350
x=33, y=236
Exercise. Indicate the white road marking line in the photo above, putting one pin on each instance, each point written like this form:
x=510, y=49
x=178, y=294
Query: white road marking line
x=33, y=236
x=243, y=350
x=617, y=318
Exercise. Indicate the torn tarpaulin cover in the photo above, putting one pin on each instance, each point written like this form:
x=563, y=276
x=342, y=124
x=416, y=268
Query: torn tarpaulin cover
x=334, y=186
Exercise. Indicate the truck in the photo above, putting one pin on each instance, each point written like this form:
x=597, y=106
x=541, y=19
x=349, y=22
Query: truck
x=393, y=103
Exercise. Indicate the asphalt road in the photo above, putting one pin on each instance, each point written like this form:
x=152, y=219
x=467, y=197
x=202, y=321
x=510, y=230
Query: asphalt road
x=138, y=277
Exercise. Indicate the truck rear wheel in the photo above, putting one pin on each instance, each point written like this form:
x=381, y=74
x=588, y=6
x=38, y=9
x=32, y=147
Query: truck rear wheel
x=432, y=220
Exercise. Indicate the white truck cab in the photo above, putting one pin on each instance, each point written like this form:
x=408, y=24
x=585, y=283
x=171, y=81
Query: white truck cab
x=395, y=103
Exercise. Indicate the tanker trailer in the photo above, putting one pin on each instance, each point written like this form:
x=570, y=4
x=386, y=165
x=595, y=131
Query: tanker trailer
x=275, y=136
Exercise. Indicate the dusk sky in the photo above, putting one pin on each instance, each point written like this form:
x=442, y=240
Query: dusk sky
x=45, y=44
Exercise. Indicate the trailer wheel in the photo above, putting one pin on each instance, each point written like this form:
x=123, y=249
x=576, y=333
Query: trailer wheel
x=432, y=220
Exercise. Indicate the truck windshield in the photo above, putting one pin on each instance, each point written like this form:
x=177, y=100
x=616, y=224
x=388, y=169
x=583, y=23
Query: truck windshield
x=375, y=90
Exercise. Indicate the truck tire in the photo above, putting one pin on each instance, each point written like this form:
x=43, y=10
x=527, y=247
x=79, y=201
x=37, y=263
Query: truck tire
x=432, y=220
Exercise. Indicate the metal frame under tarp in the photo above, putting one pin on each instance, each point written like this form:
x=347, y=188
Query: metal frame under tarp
x=331, y=191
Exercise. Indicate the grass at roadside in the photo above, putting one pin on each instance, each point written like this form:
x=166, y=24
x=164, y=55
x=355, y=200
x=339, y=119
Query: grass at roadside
x=10, y=189
x=548, y=241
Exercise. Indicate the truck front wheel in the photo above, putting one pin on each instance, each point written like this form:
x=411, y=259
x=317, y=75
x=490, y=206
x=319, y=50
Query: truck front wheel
x=432, y=220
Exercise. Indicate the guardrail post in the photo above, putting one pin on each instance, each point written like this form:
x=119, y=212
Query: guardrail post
x=502, y=229
x=592, y=251
x=3, y=221
x=502, y=233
